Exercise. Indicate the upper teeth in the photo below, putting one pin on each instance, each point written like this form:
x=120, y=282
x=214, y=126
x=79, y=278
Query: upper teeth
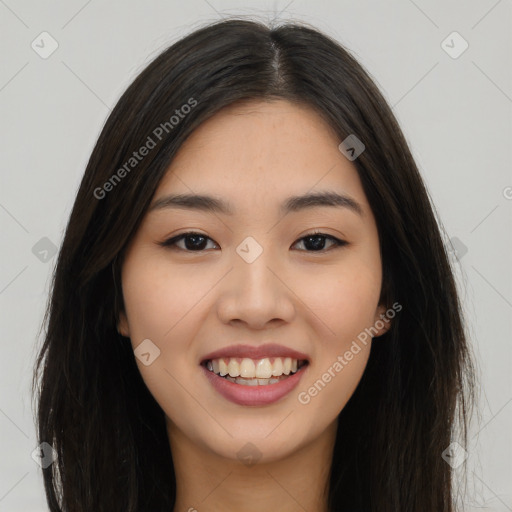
x=248, y=368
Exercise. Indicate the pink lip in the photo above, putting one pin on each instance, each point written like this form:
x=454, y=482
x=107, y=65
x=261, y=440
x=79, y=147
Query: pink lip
x=253, y=395
x=251, y=352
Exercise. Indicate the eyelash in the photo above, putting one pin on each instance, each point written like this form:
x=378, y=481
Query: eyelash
x=171, y=242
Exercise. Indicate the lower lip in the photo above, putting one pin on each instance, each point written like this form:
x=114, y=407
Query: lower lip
x=253, y=395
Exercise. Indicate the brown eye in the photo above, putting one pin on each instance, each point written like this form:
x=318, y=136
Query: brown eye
x=197, y=242
x=192, y=242
x=315, y=242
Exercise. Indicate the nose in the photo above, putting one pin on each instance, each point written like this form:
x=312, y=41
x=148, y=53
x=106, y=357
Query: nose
x=255, y=294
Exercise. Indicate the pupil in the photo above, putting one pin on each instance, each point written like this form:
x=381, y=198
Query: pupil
x=317, y=242
x=197, y=242
x=194, y=239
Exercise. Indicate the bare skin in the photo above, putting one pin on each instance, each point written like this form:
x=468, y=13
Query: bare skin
x=313, y=298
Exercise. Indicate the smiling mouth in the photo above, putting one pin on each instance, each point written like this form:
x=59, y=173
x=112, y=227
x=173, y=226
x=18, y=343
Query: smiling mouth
x=255, y=372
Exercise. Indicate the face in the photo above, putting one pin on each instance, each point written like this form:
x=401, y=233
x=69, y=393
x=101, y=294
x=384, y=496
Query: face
x=262, y=278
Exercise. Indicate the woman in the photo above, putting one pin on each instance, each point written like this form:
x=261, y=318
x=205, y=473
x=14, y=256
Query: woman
x=252, y=307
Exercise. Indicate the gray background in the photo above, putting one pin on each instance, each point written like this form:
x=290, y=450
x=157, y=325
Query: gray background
x=455, y=112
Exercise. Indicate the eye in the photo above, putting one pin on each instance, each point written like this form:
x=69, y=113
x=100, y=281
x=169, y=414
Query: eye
x=317, y=240
x=197, y=242
x=193, y=242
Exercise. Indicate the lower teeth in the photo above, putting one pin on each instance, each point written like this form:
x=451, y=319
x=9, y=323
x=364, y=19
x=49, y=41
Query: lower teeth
x=256, y=382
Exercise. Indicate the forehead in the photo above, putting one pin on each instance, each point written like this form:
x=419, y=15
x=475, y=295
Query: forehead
x=261, y=151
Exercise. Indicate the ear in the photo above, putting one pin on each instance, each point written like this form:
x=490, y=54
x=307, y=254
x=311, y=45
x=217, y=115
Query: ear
x=122, y=325
x=381, y=323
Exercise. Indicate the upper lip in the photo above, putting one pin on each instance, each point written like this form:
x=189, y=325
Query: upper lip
x=252, y=352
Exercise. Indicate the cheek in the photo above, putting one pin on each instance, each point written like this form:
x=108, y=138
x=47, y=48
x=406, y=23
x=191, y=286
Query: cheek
x=163, y=307
x=331, y=386
x=157, y=301
x=344, y=298
x=345, y=301
x=158, y=307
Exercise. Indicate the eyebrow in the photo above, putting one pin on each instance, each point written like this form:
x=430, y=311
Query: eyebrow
x=291, y=204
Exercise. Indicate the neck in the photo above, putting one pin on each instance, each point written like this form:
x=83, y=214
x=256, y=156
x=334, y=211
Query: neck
x=206, y=481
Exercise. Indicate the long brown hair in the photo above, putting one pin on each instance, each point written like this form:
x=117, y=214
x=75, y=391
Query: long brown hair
x=92, y=404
